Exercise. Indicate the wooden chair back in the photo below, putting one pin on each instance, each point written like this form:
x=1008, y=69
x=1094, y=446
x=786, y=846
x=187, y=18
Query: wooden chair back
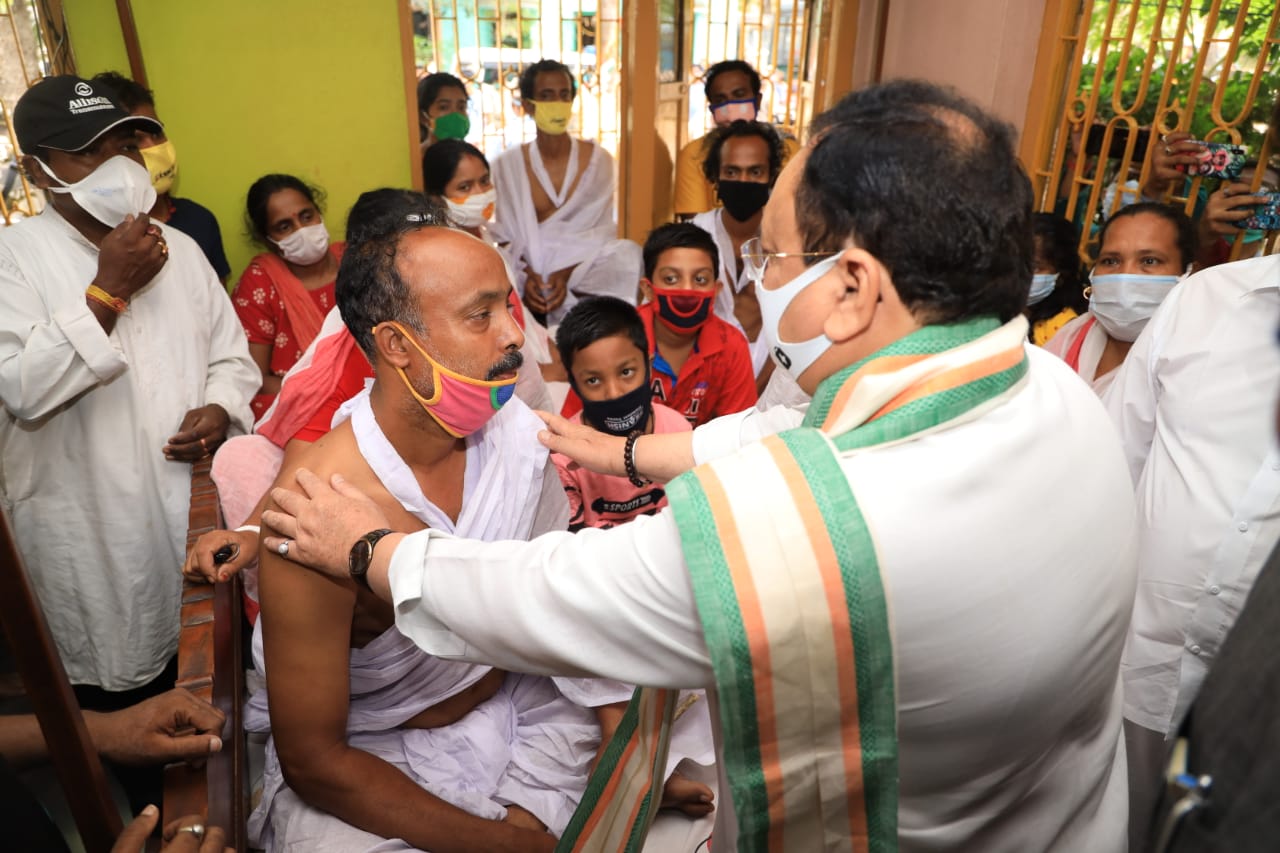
x=74, y=758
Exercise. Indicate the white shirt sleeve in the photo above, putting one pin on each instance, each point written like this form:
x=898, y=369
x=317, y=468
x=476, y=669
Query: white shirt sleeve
x=726, y=434
x=48, y=357
x=611, y=603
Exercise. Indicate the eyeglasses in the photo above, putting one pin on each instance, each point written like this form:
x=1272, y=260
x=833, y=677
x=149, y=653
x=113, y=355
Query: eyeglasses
x=756, y=258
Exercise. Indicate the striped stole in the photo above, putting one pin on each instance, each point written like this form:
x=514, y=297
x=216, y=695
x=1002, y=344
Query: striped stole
x=792, y=602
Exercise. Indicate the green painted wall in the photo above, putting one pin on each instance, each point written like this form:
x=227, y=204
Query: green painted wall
x=313, y=88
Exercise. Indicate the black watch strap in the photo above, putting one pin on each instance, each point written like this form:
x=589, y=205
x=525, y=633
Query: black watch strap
x=362, y=556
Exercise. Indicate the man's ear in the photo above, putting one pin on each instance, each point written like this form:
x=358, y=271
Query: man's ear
x=391, y=345
x=36, y=175
x=646, y=290
x=860, y=278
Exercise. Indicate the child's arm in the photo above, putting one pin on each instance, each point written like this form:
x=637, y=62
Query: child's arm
x=608, y=716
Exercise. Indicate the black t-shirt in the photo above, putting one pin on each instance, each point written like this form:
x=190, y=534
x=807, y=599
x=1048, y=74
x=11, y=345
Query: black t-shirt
x=199, y=223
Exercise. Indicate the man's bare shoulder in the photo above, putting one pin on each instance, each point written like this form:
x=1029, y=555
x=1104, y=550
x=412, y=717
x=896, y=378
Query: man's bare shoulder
x=336, y=452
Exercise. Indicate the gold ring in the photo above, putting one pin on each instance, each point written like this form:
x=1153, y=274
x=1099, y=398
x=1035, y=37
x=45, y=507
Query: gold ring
x=196, y=829
x=164, y=248
x=1168, y=150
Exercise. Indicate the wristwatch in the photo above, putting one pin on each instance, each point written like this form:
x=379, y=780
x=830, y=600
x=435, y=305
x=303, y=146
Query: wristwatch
x=362, y=556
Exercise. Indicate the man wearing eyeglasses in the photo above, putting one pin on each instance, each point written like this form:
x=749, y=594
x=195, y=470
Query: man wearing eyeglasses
x=909, y=630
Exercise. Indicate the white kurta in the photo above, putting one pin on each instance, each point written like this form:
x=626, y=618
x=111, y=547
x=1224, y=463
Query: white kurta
x=100, y=515
x=1194, y=403
x=730, y=280
x=1009, y=599
x=580, y=234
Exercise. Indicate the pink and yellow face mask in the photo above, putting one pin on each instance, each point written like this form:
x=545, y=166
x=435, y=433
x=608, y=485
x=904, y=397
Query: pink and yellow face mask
x=460, y=404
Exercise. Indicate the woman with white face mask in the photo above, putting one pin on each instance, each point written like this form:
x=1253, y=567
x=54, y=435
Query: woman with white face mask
x=457, y=173
x=1145, y=249
x=285, y=292
x=1056, y=295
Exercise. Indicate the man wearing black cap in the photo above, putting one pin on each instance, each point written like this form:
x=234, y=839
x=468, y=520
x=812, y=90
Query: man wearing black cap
x=121, y=361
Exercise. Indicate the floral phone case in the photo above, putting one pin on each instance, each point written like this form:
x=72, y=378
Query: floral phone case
x=1219, y=160
x=1266, y=216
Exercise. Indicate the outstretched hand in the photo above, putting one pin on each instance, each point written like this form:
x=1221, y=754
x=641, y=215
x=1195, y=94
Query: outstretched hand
x=590, y=448
x=201, y=565
x=318, y=526
x=179, y=836
x=173, y=726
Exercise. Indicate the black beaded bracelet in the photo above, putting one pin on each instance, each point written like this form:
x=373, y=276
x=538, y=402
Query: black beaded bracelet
x=629, y=460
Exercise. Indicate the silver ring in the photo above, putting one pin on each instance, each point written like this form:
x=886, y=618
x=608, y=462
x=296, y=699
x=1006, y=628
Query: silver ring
x=196, y=829
x=283, y=548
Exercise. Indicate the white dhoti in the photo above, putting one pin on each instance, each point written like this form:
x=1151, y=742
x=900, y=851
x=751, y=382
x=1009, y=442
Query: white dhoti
x=581, y=233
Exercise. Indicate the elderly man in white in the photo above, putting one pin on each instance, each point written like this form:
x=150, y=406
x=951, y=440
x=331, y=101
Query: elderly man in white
x=121, y=362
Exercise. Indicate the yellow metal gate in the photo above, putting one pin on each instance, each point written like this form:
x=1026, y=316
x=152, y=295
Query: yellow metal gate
x=1117, y=75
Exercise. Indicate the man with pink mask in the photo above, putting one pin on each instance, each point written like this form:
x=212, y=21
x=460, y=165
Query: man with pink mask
x=733, y=94
x=373, y=739
x=121, y=362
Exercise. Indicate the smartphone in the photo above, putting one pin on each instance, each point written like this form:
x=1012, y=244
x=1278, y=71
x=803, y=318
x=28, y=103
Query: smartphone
x=1119, y=141
x=1219, y=160
x=1266, y=216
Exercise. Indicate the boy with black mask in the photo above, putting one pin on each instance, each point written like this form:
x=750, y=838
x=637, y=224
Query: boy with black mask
x=604, y=349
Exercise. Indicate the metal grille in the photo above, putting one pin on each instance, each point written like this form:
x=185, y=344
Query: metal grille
x=769, y=34
x=33, y=44
x=1127, y=71
x=487, y=42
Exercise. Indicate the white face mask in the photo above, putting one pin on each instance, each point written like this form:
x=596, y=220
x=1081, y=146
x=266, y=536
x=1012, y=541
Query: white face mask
x=1124, y=302
x=474, y=210
x=1042, y=284
x=793, y=358
x=116, y=189
x=306, y=245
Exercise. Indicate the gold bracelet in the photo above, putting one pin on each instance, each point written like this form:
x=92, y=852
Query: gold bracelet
x=115, y=303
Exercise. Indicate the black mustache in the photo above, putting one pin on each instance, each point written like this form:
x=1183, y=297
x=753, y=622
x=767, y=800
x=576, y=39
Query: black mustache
x=511, y=361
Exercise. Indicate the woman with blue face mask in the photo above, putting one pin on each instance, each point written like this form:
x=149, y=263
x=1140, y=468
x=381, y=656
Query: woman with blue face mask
x=1145, y=249
x=1056, y=296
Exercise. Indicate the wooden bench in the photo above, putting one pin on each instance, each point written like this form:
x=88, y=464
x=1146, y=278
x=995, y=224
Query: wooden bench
x=211, y=665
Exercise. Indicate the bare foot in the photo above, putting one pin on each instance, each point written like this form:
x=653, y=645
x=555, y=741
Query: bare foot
x=524, y=819
x=692, y=798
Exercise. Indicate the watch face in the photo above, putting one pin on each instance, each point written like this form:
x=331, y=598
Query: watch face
x=361, y=554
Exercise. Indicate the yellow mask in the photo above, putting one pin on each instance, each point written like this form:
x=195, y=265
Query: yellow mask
x=162, y=163
x=552, y=117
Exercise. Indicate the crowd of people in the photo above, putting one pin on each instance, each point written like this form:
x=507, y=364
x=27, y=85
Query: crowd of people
x=851, y=508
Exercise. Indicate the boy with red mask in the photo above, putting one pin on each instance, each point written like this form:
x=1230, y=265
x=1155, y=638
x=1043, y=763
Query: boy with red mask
x=699, y=364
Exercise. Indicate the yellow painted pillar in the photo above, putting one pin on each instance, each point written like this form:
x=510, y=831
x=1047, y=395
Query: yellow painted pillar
x=638, y=146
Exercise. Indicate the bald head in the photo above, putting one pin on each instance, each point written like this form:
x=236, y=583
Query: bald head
x=446, y=271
